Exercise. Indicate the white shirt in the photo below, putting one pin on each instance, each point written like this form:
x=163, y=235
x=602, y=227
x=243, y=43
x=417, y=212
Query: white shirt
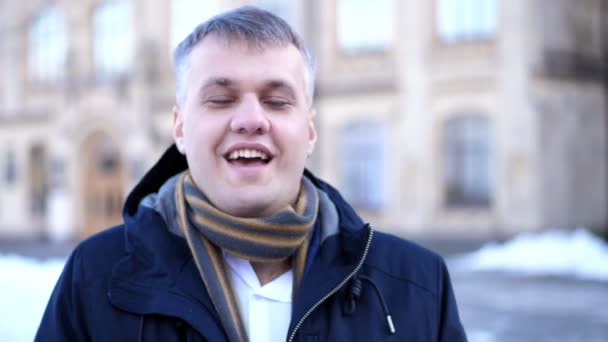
x=266, y=310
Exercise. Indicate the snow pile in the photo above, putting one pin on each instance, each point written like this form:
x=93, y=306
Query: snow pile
x=575, y=253
x=25, y=290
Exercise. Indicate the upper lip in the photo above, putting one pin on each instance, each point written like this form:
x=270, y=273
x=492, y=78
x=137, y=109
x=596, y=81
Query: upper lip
x=249, y=146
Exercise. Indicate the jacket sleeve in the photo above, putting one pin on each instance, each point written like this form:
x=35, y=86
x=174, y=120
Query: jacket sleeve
x=450, y=327
x=62, y=319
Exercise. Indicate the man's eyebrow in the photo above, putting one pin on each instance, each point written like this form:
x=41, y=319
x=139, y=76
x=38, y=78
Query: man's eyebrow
x=281, y=85
x=216, y=81
x=224, y=82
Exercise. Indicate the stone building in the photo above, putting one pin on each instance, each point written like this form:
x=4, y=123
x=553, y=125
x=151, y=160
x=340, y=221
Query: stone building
x=450, y=117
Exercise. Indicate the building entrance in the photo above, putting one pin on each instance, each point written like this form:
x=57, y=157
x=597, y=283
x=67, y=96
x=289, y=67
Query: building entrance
x=103, y=184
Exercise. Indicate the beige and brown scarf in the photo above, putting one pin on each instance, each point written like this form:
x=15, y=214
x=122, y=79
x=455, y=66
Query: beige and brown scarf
x=208, y=231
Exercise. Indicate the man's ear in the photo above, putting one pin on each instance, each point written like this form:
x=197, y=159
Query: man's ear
x=312, y=131
x=178, y=130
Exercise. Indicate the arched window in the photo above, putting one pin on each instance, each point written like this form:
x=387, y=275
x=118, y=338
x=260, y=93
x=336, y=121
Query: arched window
x=187, y=14
x=465, y=20
x=114, y=40
x=362, y=161
x=364, y=25
x=48, y=46
x=467, y=169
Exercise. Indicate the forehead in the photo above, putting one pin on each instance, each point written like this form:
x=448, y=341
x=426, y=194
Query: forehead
x=238, y=60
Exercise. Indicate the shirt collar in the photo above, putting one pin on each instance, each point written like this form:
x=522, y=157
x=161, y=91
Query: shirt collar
x=278, y=290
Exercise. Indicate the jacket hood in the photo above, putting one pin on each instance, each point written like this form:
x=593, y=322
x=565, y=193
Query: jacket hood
x=173, y=162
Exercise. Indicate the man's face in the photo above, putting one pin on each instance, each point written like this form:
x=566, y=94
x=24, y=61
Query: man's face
x=245, y=125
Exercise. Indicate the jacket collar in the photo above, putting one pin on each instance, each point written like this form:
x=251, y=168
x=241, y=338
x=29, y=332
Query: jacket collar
x=173, y=162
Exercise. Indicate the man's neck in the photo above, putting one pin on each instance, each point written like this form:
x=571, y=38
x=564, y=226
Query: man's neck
x=269, y=271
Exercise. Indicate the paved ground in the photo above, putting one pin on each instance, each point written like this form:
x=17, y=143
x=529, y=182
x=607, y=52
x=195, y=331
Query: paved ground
x=505, y=307
x=497, y=306
x=494, y=306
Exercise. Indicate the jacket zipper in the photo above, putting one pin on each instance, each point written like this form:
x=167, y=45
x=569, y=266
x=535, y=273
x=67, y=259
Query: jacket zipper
x=342, y=283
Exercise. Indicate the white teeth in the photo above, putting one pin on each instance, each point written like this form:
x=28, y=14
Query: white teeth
x=247, y=153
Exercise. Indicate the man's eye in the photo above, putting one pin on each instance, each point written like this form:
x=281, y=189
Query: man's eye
x=220, y=100
x=276, y=103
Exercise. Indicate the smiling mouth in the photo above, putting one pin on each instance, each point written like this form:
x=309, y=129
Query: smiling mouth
x=248, y=157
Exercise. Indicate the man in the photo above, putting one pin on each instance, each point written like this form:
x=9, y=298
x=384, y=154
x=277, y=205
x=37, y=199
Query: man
x=229, y=238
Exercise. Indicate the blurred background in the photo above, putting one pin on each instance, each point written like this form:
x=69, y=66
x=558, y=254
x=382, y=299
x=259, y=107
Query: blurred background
x=450, y=122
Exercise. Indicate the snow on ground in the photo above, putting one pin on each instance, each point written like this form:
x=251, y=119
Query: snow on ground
x=24, y=292
x=480, y=336
x=576, y=253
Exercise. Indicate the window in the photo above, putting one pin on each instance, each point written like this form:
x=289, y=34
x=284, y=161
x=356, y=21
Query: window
x=462, y=20
x=109, y=164
x=467, y=165
x=38, y=180
x=280, y=8
x=48, y=46
x=56, y=173
x=364, y=25
x=113, y=38
x=187, y=14
x=10, y=167
x=362, y=156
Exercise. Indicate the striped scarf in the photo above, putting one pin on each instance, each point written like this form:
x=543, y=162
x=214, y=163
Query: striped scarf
x=208, y=231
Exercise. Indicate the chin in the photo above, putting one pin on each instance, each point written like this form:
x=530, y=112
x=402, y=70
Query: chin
x=249, y=208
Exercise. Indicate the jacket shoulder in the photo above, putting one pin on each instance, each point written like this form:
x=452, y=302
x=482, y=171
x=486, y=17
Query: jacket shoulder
x=97, y=254
x=80, y=289
x=110, y=242
x=406, y=260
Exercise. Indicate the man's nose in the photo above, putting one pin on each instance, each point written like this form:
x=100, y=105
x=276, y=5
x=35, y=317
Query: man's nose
x=250, y=117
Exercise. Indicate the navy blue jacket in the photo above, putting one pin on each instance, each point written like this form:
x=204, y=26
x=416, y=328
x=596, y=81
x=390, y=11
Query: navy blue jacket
x=138, y=282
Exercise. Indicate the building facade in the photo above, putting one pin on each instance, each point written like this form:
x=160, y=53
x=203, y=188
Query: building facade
x=451, y=117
